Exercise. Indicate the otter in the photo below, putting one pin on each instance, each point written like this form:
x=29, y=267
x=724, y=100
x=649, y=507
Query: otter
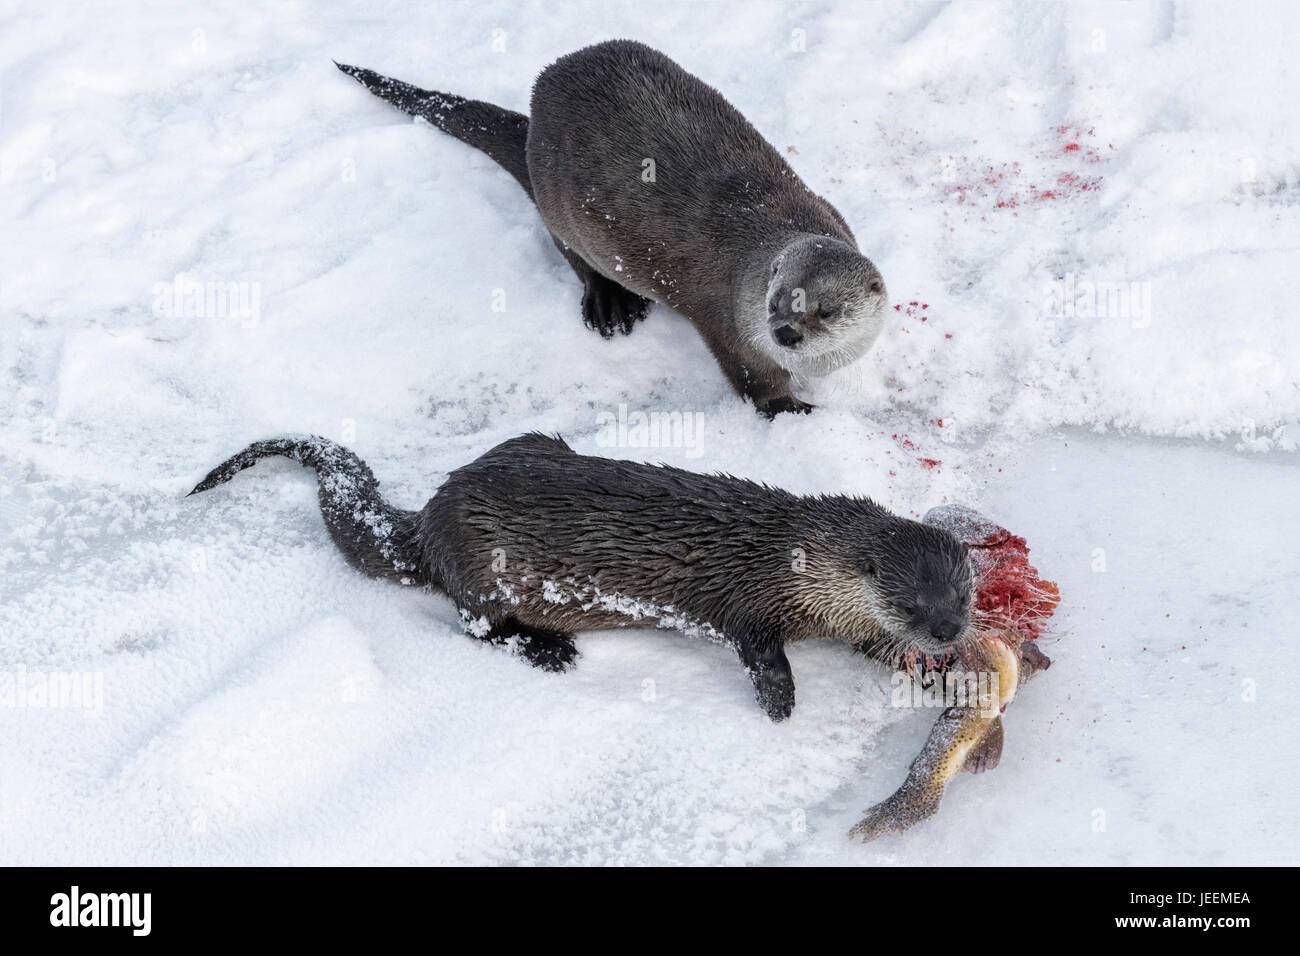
x=654, y=187
x=533, y=542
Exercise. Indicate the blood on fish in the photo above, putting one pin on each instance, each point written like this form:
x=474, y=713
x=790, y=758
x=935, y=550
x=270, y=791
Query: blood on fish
x=1009, y=586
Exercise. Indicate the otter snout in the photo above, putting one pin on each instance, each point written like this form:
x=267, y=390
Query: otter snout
x=786, y=321
x=946, y=629
x=787, y=336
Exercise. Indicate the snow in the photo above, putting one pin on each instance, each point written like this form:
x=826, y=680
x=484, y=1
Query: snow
x=262, y=703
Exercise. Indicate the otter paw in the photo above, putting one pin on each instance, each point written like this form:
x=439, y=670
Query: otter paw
x=893, y=815
x=774, y=690
x=549, y=650
x=776, y=406
x=608, y=308
x=629, y=309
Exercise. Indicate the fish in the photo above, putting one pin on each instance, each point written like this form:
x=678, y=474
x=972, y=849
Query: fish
x=1014, y=605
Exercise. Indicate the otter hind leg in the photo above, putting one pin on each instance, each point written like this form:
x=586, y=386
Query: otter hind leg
x=607, y=307
x=550, y=650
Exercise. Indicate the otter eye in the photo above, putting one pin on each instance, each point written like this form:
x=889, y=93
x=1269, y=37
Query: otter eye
x=870, y=570
x=827, y=312
x=910, y=611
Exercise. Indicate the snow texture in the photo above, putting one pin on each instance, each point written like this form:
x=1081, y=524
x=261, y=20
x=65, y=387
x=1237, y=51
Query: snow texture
x=1012, y=170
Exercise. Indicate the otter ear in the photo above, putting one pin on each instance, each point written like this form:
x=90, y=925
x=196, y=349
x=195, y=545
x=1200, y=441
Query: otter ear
x=875, y=287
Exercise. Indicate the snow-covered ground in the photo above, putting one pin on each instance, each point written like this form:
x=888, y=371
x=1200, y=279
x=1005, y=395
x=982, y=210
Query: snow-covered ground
x=1012, y=170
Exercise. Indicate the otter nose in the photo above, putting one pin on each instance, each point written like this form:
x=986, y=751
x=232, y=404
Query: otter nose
x=788, y=335
x=944, y=630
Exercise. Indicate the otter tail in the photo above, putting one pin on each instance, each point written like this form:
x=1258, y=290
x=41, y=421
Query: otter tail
x=376, y=538
x=500, y=133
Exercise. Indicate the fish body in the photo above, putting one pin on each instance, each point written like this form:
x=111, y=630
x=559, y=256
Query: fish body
x=963, y=738
x=1016, y=604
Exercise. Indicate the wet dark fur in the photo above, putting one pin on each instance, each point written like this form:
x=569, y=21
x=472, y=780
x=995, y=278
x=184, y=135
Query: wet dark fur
x=701, y=239
x=533, y=541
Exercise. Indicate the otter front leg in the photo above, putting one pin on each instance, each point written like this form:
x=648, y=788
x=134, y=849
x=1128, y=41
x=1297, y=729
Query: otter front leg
x=765, y=661
x=786, y=403
x=771, y=397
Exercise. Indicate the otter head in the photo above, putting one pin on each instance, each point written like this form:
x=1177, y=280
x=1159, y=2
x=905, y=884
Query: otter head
x=825, y=305
x=921, y=585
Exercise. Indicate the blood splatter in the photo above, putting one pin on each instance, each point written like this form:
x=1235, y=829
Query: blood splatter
x=1009, y=586
x=970, y=181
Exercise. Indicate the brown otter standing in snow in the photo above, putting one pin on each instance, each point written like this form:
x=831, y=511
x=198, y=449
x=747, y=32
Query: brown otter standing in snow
x=654, y=187
x=533, y=542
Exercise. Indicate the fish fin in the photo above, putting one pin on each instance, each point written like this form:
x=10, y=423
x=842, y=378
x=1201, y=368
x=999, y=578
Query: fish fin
x=987, y=752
